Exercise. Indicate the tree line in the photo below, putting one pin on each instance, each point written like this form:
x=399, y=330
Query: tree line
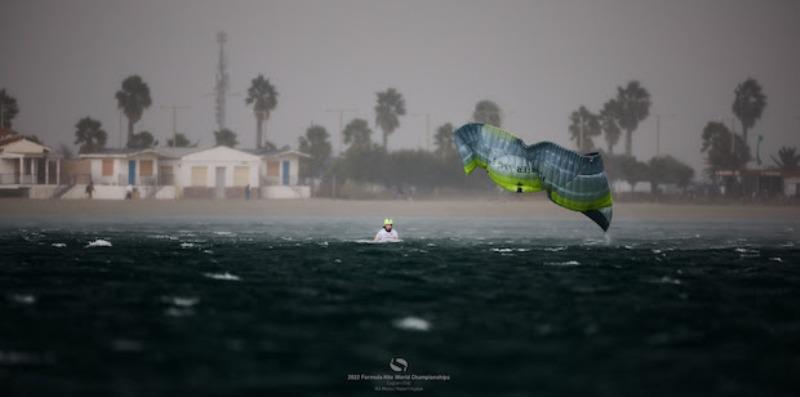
x=618, y=117
x=366, y=161
x=134, y=98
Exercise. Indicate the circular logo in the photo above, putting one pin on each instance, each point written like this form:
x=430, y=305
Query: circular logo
x=398, y=364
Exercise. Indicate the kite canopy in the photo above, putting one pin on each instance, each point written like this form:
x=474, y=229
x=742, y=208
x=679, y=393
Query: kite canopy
x=571, y=180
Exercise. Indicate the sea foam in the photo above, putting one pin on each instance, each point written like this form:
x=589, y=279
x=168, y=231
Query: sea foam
x=412, y=324
x=222, y=276
x=98, y=243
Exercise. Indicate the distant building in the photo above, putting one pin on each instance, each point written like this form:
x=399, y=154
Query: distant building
x=280, y=174
x=620, y=186
x=762, y=183
x=791, y=183
x=27, y=168
x=216, y=172
x=219, y=172
x=112, y=170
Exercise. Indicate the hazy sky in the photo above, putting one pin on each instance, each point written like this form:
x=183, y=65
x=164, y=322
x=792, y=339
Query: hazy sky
x=538, y=60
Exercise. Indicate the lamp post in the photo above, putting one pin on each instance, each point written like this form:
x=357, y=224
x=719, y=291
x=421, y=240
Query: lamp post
x=341, y=112
x=174, y=109
x=658, y=131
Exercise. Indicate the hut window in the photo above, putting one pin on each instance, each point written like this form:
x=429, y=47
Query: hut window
x=273, y=168
x=146, y=167
x=199, y=175
x=241, y=176
x=108, y=167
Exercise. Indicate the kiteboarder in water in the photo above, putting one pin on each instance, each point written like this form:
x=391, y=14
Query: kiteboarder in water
x=387, y=233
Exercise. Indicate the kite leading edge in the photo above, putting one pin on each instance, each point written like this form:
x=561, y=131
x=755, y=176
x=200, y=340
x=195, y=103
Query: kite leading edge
x=571, y=180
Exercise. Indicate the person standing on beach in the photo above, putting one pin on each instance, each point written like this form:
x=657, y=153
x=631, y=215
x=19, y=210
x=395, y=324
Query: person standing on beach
x=387, y=233
x=90, y=189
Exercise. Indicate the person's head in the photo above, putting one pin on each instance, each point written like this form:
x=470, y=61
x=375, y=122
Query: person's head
x=387, y=224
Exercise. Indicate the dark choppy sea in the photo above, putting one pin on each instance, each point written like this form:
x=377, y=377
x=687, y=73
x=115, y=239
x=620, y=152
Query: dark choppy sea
x=488, y=307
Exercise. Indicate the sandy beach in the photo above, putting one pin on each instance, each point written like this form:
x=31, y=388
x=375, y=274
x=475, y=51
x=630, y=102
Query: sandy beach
x=534, y=208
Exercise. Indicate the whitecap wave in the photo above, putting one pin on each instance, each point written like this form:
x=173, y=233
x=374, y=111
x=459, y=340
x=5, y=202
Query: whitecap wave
x=182, y=301
x=11, y=358
x=508, y=250
x=178, y=312
x=567, y=263
x=222, y=276
x=747, y=252
x=98, y=243
x=412, y=324
x=365, y=241
x=163, y=237
x=668, y=280
x=25, y=299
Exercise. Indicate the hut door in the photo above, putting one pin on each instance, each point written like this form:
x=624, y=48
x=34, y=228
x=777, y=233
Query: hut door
x=219, y=191
x=41, y=165
x=285, y=173
x=131, y=172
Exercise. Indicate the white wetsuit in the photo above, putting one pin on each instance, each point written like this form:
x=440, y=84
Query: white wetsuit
x=383, y=235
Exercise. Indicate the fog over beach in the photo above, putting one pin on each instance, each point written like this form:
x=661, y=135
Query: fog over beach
x=532, y=209
x=358, y=197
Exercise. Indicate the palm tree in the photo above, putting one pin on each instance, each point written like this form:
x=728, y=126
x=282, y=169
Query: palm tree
x=390, y=106
x=609, y=123
x=583, y=126
x=725, y=150
x=667, y=169
x=142, y=140
x=788, y=159
x=487, y=112
x=225, y=137
x=357, y=134
x=444, y=141
x=633, y=103
x=180, y=141
x=89, y=134
x=8, y=109
x=748, y=104
x=633, y=171
x=133, y=98
x=264, y=98
x=315, y=143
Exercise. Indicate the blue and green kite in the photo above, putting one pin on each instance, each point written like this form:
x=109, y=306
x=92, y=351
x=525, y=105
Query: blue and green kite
x=571, y=180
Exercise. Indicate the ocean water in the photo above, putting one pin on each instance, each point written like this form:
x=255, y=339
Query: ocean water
x=307, y=306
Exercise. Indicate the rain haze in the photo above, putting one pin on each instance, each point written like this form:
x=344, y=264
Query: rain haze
x=538, y=61
x=277, y=197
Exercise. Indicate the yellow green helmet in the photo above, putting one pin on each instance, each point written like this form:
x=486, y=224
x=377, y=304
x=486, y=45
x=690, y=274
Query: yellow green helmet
x=388, y=221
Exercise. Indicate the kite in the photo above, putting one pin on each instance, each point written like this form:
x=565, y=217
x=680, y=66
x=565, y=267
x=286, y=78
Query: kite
x=571, y=180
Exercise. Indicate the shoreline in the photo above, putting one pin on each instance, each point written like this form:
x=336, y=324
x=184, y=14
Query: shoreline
x=16, y=209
